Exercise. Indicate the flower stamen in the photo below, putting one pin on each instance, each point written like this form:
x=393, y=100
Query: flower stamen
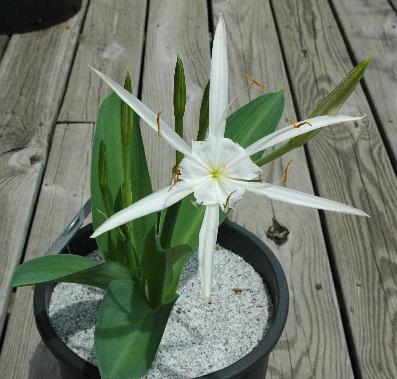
x=253, y=80
x=297, y=125
x=227, y=203
x=158, y=122
x=176, y=173
x=285, y=175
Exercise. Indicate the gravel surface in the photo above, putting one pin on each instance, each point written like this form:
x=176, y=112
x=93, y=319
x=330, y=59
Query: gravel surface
x=200, y=337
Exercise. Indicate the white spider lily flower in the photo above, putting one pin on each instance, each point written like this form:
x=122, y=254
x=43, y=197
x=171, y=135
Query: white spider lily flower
x=218, y=171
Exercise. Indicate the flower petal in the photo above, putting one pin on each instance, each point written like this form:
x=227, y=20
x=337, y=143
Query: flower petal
x=225, y=193
x=149, y=204
x=218, y=97
x=147, y=115
x=300, y=198
x=238, y=162
x=290, y=131
x=207, y=242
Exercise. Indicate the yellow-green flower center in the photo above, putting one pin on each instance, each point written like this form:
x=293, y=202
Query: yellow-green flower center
x=217, y=172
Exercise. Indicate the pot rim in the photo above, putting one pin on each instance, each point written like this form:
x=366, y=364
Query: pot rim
x=243, y=366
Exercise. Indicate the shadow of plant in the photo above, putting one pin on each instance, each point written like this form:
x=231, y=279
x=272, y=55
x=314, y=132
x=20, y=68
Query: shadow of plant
x=75, y=317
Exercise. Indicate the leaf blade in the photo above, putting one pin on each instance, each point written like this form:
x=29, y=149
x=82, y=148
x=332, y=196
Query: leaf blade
x=118, y=128
x=128, y=327
x=329, y=105
x=332, y=103
x=256, y=119
x=204, y=114
x=68, y=268
x=161, y=268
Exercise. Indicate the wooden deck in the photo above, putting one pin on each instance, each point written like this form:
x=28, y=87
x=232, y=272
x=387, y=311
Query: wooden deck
x=341, y=270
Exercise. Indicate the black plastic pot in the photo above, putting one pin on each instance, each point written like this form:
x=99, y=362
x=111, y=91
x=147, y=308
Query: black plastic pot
x=232, y=237
x=19, y=16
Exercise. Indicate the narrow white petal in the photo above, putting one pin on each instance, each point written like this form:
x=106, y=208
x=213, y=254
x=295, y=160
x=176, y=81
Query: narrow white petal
x=149, y=204
x=218, y=97
x=207, y=242
x=300, y=198
x=289, y=132
x=147, y=115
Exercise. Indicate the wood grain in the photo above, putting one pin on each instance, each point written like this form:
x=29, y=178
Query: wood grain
x=174, y=27
x=111, y=41
x=351, y=165
x=393, y=4
x=65, y=189
x=33, y=75
x=373, y=30
x=313, y=343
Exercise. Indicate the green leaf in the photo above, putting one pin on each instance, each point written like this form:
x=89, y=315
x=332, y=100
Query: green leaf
x=248, y=124
x=256, y=119
x=128, y=331
x=126, y=139
x=162, y=268
x=107, y=196
x=103, y=177
x=329, y=105
x=107, y=138
x=123, y=245
x=126, y=117
x=188, y=223
x=68, y=268
x=170, y=217
x=140, y=185
x=118, y=138
x=179, y=101
x=204, y=114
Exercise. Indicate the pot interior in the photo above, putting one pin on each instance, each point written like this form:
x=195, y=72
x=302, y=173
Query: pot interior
x=231, y=237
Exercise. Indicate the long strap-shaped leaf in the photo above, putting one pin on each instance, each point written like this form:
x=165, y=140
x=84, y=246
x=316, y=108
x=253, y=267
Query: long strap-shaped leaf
x=329, y=105
x=128, y=331
x=68, y=268
x=126, y=181
x=161, y=268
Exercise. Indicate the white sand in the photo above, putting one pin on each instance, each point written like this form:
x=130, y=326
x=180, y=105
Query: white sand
x=200, y=337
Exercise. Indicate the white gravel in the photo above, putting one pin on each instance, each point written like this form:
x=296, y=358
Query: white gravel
x=200, y=337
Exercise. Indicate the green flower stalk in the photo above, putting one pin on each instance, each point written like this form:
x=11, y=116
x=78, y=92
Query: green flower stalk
x=179, y=101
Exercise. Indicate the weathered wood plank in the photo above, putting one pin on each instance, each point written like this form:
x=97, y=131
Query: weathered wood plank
x=371, y=28
x=313, y=343
x=126, y=33
x=33, y=75
x=111, y=41
x=393, y=4
x=174, y=27
x=350, y=164
x=65, y=188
